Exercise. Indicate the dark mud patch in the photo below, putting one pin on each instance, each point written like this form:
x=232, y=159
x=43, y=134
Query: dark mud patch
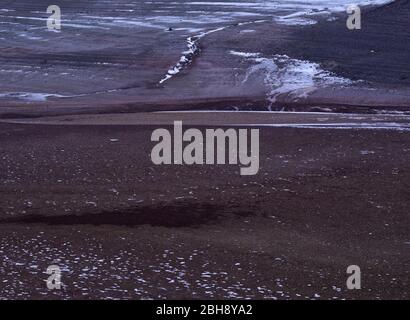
x=172, y=216
x=377, y=53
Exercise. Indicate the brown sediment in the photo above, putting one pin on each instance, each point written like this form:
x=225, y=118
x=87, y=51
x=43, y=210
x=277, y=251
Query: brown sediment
x=174, y=215
x=86, y=196
x=223, y=118
x=375, y=54
x=322, y=200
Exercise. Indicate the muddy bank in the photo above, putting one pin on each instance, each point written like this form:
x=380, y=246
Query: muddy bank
x=377, y=53
x=323, y=200
x=115, y=64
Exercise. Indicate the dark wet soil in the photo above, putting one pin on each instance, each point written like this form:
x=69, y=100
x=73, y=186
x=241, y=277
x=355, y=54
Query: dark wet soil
x=376, y=53
x=171, y=216
x=88, y=199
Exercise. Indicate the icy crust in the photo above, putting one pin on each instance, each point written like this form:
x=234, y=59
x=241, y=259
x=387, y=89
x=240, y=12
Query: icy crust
x=284, y=75
x=188, y=55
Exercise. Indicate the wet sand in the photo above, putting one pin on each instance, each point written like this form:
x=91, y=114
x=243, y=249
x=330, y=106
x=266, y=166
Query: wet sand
x=398, y=121
x=117, y=67
x=79, y=190
x=377, y=53
x=88, y=198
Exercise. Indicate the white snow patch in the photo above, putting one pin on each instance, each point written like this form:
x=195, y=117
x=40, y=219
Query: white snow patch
x=297, y=78
x=244, y=54
x=188, y=55
x=31, y=96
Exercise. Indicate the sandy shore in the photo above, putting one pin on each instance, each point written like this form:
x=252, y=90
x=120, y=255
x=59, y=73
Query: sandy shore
x=88, y=198
x=398, y=121
x=103, y=70
x=78, y=188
